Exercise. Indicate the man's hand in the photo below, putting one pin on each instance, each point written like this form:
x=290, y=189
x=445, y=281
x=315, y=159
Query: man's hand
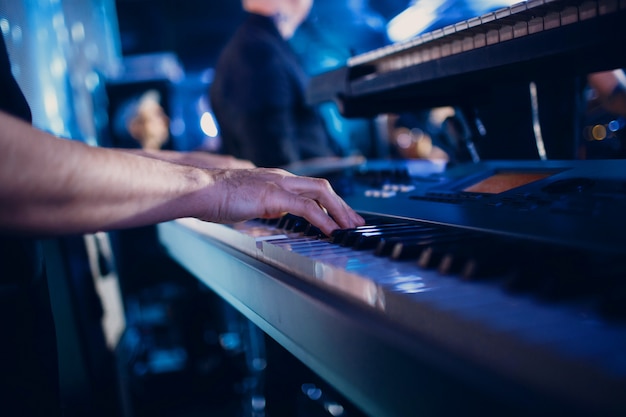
x=238, y=195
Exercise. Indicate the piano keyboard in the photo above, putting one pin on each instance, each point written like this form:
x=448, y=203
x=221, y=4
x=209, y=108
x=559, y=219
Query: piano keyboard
x=527, y=311
x=530, y=40
x=519, y=20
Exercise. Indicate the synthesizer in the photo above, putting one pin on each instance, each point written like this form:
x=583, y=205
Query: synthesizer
x=530, y=40
x=496, y=287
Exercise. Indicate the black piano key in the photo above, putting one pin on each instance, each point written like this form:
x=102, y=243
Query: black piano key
x=388, y=243
x=371, y=222
x=385, y=246
x=435, y=253
x=370, y=240
x=270, y=222
x=352, y=236
x=283, y=221
x=339, y=234
x=412, y=248
x=299, y=225
x=464, y=258
x=295, y=224
x=313, y=231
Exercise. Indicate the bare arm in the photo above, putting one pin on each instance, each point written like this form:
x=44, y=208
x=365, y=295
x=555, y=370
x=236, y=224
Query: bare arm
x=57, y=186
x=198, y=159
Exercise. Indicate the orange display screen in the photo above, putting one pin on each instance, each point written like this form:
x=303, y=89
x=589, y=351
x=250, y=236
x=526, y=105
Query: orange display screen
x=504, y=181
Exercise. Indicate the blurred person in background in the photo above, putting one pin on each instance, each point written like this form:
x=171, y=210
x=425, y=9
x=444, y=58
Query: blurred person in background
x=141, y=126
x=258, y=92
x=145, y=121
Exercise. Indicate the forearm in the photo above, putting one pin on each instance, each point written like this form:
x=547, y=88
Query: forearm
x=51, y=186
x=48, y=185
x=198, y=159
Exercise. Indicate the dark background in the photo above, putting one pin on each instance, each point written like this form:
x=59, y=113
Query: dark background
x=195, y=30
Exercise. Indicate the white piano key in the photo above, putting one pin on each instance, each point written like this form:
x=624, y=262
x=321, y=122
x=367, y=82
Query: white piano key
x=431, y=36
x=519, y=8
x=502, y=13
x=530, y=4
x=487, y=18
x=474, y=22
x=415, y=42
x=449, y=30
x=461, y=26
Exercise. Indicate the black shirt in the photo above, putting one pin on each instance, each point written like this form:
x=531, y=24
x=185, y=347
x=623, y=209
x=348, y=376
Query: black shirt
x=258, y=97
x=19, y=257
x=28, y=356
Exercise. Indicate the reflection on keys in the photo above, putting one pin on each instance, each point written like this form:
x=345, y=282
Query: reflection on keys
x=384, y=250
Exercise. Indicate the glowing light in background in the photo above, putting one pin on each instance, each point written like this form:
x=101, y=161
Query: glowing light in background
x=259, y=364
x=4, y=26
x=92, y=81
x=51, y=105
x=334, y=409
x=51, y=102
x=311, y=391
x=422, y=13
x=330, y=62
x=58, y=21
x=208, y=125
x=230, y=341
x=412, y=21
x=615, y=125
x=598, y=132
x=258, y=402
x=58, y=67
